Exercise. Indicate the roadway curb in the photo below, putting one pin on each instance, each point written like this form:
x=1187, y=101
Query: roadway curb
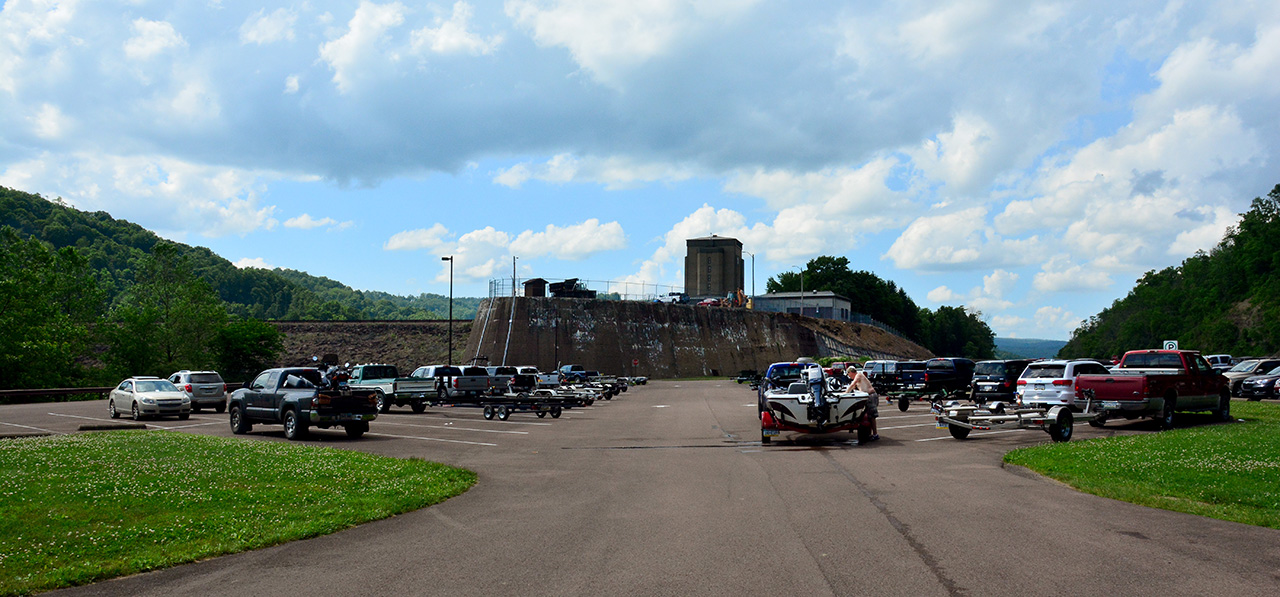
x=111, y=426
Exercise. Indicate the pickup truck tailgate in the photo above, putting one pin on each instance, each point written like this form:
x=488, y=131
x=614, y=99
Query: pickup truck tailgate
x=1114, y=387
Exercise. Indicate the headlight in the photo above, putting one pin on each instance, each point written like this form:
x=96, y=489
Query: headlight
x=186, y=399
x=148, y=400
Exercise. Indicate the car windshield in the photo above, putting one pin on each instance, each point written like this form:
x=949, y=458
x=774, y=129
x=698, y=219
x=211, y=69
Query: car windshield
x=475, y=371
x=995, y=368
x=940, y=365
x=206, y=378
x=911, y=366
x=1045, y=371
x=1153, y=360
x=1275, y=371
x=156, y=385
x=1245, y=367
x=379, y=372
x=504, y=371
x=784, y=371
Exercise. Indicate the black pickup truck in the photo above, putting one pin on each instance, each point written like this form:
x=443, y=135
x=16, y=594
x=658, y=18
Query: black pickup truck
x=299, y=398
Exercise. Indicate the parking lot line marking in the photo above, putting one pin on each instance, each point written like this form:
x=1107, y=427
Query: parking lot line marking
x=101, y=419
x=906, y=426
x=929, y=439
x=455, y=428
x=906, y=416
x=30, y=427
x=475, y=416
x=432, y=439
x=196, y=425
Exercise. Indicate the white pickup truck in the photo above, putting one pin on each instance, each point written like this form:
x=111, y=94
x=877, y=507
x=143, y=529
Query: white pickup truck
x=390, y=388
x=545, y=380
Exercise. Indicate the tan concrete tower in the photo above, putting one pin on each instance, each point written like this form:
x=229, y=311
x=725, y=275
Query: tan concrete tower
x=713, y=266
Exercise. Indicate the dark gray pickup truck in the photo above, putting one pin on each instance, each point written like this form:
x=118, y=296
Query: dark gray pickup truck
x=299, y=398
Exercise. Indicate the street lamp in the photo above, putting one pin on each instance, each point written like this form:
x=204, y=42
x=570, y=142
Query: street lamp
x=753, y=272
x=450, y=260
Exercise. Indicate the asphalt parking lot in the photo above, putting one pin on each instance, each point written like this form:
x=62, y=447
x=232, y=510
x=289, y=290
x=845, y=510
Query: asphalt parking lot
x=666, y=490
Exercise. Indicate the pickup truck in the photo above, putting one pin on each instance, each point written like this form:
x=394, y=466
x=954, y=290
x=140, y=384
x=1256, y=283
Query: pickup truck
x=389, y=388
x=301, y=397
x=1157, y=383
x=454, y=382
x=572, y=373
x=543, y=380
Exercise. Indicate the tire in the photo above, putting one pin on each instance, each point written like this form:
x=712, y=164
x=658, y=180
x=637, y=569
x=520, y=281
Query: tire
x=864, y=435
x=555, y=412
x=111, y=409
x=239, y=424
x=904, y=404
x=542, y=414
x=220, y=408
x=137, y=416
x=1064, y=428
x=1223, y=412
x=958, y=432
x=1235, y=388
x=488, y=413
x=419, y=407
x=356, y=430
x=764, y=439
x=503, y=413
x=381, y=401
x=195, y=408
x=184, y=416
x=1254, y=398
x=294, y=428
x=1166, y=413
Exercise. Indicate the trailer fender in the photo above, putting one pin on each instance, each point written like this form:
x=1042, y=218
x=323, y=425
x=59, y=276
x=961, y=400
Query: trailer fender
x=766, y=420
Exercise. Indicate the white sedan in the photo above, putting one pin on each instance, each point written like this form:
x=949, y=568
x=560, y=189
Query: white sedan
x=148, y=397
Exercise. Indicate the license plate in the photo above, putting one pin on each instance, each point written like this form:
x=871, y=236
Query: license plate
x=986, y=386
x=940, y=425
x=1110, y=404
x=769, y=432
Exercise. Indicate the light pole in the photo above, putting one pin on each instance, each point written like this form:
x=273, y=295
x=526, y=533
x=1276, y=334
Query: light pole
x=450, y=260
x=753, y=273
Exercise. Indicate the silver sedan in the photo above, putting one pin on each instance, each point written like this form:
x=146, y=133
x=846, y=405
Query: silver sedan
x=148, y=397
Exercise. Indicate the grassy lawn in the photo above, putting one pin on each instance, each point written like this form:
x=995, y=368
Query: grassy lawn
x=80, y=508
x=1230, y=472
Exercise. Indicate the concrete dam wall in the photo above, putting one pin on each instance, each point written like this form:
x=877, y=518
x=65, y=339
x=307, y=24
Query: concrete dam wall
x=666, y=340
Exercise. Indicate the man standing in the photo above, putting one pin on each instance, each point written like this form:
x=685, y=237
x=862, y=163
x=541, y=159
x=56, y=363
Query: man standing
x=860, y=383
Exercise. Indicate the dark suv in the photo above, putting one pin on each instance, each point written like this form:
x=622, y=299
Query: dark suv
x=947, y=375
x=997, y=380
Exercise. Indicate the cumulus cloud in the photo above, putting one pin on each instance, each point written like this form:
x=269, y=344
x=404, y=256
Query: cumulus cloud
x=988, y=298
x=359, y=50
x=261, y=28
x=151, y=38
x=451, y=35
x=1059, y=274
x=423, y=238
x=614, y=173
x=575, y=242
x=50, y=122
x=254, y=262
x=306, y=222
x=1055, y=320
x=958, y=240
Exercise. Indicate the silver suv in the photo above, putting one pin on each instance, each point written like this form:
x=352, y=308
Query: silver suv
x=204, y=388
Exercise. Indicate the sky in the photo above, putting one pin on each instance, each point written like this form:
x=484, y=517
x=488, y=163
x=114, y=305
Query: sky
x=1029, y=160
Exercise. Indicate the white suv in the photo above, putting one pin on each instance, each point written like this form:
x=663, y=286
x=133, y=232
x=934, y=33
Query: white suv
x=1054, y=382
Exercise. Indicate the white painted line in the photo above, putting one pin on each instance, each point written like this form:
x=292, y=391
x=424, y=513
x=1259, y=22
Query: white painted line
x=906, y=426
x=929, y=439
x=432, y=439
x=660, y=406
x=906, y=416
x=197, y=425
x=121, y=420
x=477, y=417
x=451, y=428
x=30, y=427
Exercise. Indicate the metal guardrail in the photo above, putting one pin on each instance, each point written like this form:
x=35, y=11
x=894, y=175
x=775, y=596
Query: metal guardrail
x=8, y=396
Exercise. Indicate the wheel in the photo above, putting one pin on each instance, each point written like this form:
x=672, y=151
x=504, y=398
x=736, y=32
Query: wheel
x=555, y=412
x=294, y=428
x=1166, y=413
x=904, y=404
x=1235, y=388
x=542, y=414
x=356, y=430
x=957, y=431
x=1223, y=412
x=864, y=435
x=184, y=416
x=195, y=408
x=1061, y=431
x=488, y=412
x=111, y=409
x=220, y=408
x=137, y=416
x=503, y=413
x=1099, y=421
x=381, y=401
x=419, y=407
x=239, y=424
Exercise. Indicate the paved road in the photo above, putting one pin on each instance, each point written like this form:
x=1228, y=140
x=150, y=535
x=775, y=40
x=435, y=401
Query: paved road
x=667, y=491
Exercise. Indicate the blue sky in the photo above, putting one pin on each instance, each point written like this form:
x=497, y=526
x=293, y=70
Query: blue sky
x=1026, y=159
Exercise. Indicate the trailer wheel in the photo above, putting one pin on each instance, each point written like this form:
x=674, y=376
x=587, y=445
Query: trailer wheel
x=904, y=404
x=957, y=431
x=555, y=412
x=542, y=414
x=503, y=413
x=1061, y=431
x=419, y=406
x=488, y=412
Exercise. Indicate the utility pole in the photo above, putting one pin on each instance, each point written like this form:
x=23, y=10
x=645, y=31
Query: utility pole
x=450, y=260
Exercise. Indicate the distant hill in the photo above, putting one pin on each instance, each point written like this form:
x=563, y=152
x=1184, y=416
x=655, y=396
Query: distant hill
x=1028, y=348
x=1223, y=301
x=114, y=249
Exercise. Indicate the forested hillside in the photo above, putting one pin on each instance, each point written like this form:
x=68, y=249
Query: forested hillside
x=1226, y=300
x=114, y=250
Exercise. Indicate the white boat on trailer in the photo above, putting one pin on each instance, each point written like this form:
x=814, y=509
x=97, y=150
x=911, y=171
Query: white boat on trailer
x=792, y=409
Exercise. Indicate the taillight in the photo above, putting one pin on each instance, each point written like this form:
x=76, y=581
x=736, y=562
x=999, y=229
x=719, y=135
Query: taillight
x=455, y=383
x=1061, y=382
x=1005, y=384
x=224, y=388
x=187, y=388
x=1022, y=382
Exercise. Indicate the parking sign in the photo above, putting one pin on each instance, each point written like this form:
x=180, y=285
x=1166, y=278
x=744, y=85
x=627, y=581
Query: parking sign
x=1171, y=345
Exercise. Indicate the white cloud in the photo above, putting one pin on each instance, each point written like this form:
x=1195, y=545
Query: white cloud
x=958, y=240
x=575, y=242
x=1055, y=319
x=50, y=122
x=988, y=298
x=451, y=36
x=615, y=173
x=291, y=84
x=1059, y=274
x=151, y=38
x=942, y=294
x=261, y=28
x=423, y=238
x=357, y=52
x=254, y=262
x=306, y=222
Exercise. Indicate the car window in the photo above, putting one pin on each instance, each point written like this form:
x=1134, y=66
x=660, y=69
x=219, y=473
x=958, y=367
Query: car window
x=911, y=366
x=378, y=372
x=206, y=378
x=1275, y=371
x=1247, y=366
x=994, y=368
x=126, y=385
x=1045, y=371
x=260, y=382
x=1158, y=360
x=1202, y=365
x=156, y=385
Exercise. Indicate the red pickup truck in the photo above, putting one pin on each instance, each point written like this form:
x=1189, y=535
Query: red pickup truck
x=1158, y=383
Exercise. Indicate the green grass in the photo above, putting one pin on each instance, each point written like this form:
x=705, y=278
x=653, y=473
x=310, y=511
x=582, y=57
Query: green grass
x=79, y=508
x=1229, y=472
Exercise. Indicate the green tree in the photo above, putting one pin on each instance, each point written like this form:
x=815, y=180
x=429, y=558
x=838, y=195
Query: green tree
x=869, y=294
x=246, y=347
x=49, y=302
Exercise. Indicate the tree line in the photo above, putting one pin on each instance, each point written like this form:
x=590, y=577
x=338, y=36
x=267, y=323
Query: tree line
x=1224, y=300
x=946, y=331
